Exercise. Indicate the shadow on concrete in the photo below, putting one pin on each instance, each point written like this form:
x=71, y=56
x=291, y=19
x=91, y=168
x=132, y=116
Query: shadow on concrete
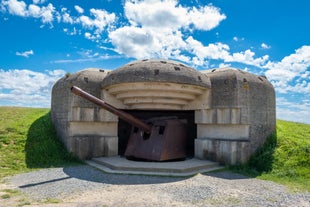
x=88, y=173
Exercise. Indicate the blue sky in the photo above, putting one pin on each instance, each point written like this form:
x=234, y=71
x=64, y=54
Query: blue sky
x=42, y=40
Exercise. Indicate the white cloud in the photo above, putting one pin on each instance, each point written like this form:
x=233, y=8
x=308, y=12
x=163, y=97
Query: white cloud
x=88, y=54
x=25, y=54
x=101, y=20
x=220, y=51
x=157, y=28
x=168, y=14
x=15, y=7
x=79, y=9
x=203, y=53
x=72, y=31
x=292, y=72
x=147, y=43
x=94, y=58
x=133, y=41
x=34, y=10
x=224, y=65
x=155, y=14
x=265, y=46
x=98, y=20
x=247, y=57
x=237, y=39
x=206, y=18
x=67, y=18
x=20, y=8
x=289, y=110
x=90, y=36
x=39, y=1
x=47, y=13
x=27, y=88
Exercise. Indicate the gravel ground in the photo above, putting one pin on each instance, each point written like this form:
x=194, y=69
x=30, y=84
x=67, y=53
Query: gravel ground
x=85, y=186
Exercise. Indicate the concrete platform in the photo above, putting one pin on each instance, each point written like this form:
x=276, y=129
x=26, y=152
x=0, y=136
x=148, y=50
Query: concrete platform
x=121, y=165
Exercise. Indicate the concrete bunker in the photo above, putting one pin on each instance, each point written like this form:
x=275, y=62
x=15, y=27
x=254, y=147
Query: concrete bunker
x=231, y=112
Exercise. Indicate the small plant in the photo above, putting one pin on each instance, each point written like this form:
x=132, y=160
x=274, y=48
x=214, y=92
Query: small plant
x=52, y=201
x=5, y=196
x=8, y=193
x=26, y=203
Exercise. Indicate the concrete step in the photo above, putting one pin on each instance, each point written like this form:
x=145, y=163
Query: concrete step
x=121, y=165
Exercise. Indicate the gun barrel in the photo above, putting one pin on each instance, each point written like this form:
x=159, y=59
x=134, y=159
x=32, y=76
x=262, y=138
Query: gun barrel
x=123, y=115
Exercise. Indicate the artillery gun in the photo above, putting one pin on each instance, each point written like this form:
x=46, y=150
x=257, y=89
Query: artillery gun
x=155, y=139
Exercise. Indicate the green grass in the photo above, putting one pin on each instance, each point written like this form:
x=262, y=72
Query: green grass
x=284, y=158
x=28, y=141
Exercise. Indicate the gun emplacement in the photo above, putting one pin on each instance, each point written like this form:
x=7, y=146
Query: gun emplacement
x=161, y=140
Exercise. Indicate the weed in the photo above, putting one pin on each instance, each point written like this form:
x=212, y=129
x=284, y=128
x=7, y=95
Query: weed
x=9, y=193
x=52, y=201
x=5, y=196
x=26, y=203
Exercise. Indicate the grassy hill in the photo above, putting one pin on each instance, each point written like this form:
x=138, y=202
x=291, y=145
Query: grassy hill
x=28, y=141
x=284, y=158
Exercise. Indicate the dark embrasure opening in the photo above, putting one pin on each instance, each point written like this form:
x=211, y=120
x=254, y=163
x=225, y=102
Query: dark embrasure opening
x=124, y=128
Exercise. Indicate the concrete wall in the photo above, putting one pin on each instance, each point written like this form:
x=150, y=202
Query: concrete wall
x=85, y=129
x=241, y=117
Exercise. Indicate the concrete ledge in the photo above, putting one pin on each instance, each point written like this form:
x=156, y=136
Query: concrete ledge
x=108, y=129
x=218, y=116
x=120, y=165
x=223, y=131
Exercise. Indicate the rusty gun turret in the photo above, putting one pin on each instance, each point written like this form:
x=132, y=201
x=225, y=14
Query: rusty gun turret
x=157, y=139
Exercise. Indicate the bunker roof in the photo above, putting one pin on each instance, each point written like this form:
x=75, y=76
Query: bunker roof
x=156, y=71
x=88, y=74
x=228, y=73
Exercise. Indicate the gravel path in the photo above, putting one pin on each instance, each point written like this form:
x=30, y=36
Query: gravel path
x=85, y=186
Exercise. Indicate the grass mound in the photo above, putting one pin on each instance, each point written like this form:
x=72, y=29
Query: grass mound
x=284, y=158
x=28, y=140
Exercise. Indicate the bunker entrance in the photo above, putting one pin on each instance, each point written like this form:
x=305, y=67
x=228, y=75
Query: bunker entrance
x=125, y=130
